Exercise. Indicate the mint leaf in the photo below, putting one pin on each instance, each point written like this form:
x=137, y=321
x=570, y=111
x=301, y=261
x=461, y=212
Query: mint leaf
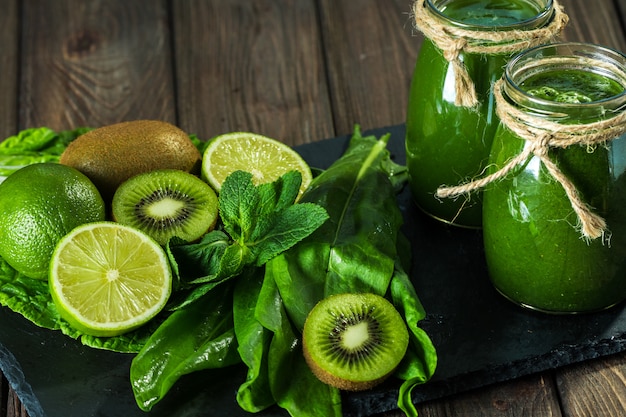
x=238, y=201
x=289, y=227
x=280, y=194
x=258, y=223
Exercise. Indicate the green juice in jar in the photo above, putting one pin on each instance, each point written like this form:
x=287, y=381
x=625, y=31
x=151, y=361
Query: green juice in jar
x=535, y=254
x=447, y=144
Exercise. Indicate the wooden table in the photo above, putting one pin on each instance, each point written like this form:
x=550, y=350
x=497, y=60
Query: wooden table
x=295, y=70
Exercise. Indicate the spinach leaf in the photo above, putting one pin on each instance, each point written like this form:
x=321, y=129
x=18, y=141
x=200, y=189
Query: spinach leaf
x=355, y=250
x=359, y=249
x=420, y=361
x=199, y=336
x=254, y=340
x=292, y=385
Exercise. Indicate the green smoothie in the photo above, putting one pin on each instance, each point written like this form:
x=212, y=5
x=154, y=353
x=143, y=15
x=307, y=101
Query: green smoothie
x=535, y=254
x=447, y=144
x=574, y=86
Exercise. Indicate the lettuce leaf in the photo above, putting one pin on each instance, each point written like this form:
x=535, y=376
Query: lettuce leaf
x=34, y=145
x=31, y=298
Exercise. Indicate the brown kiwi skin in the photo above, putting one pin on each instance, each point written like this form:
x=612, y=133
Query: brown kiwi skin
x=111, y=154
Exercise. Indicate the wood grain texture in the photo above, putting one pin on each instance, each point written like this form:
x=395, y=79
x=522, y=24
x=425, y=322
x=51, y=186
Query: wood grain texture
x=595, y=21
x=14, y=407
x=370, y=48
x=4, y=395
x=104, y=62
x=10, y=404
x=9, y=43
x=596, y=388
x=251, y=66
x=529, y=396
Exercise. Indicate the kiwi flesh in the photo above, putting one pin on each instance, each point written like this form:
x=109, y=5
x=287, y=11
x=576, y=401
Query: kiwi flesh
x=111, y=154
x=166, y=203
x=354, y=341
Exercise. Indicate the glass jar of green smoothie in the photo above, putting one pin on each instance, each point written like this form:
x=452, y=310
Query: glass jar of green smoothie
x=554, y=209
x=450, y=118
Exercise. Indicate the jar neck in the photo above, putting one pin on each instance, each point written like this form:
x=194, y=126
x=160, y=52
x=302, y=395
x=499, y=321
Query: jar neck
x=559, y=59
x=481, y=15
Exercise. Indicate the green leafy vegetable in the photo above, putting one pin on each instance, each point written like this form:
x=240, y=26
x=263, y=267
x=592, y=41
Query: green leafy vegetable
x=31, y=298
x=357, y=250
x=258, y=223
x=199, y=336
x=34, y=145
x=343, y=236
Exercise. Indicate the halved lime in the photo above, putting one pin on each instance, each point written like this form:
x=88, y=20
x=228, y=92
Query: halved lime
x=265, y=158
x=107, y=279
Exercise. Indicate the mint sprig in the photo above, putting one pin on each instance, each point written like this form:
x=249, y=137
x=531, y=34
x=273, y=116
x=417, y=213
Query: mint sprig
x=258, y=222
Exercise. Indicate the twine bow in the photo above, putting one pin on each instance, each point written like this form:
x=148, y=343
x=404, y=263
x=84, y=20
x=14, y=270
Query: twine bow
x=453, y=41
x=541, y=135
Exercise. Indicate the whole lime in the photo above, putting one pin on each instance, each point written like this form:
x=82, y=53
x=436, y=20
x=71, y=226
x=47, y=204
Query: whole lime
x=40, y=204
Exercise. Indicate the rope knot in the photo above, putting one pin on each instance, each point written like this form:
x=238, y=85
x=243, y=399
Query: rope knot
x=543, y=135
x=541, y=145
x=454, y=49
x=454, y=40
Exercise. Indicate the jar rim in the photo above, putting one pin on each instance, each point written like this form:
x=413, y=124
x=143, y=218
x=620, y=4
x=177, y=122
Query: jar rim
x=544, y=15
x=610, y=63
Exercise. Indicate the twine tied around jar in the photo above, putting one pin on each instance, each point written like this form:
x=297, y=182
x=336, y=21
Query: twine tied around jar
x=453, y=40
x=541, y=135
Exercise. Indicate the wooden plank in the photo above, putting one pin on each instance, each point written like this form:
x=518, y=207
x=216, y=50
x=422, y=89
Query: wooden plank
x=14, y=407
x=95, y=63
x=251, y=66
x=370, y=49
x=596, y=388
x=529, y=396
x=10, y=405
x=9, y=41
x=594, y=22
x=4, y=395
x=621, y=9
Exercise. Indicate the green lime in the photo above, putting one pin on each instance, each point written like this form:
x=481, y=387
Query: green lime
x=107, y=278
x=40, y=203
x=265, y=158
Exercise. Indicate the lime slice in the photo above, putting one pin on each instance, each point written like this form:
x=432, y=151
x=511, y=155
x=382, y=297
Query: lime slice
x=107, y=278
x=265, y=158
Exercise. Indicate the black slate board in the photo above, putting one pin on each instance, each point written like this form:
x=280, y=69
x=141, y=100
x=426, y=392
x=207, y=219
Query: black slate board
x=481, y=337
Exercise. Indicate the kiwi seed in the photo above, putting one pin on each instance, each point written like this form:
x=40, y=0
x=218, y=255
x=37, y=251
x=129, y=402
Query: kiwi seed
x=166, y=203
x=354, y=341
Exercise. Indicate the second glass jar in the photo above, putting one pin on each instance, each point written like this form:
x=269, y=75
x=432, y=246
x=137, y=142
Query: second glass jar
x=538, y=255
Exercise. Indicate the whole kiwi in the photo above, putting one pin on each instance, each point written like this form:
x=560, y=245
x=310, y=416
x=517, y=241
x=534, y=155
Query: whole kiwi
x=354, y=341
x=111, y=154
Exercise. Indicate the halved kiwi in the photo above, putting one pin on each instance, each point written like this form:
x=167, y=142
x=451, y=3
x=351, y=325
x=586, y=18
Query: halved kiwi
x=354, y=341
x=166, y=203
